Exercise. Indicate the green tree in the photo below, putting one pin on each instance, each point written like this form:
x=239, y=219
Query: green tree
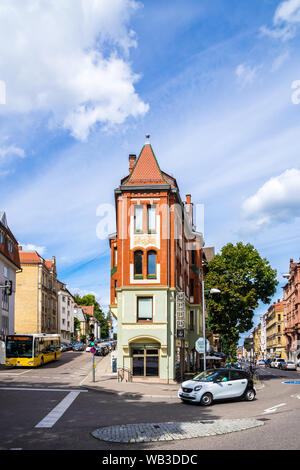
x=244, y=279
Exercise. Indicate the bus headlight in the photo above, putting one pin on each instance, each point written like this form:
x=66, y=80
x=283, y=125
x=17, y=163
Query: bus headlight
x=31, y=362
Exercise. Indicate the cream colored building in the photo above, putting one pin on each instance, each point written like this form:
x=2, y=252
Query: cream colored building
x=36, y=295
x=276, y=341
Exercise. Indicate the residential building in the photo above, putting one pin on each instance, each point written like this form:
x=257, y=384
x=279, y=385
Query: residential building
x=36, y=294
x=257, y=342
x=65, y=301
x=276, y=343
x=156, y=274
x=263, y=335
x=9, y=266
x=291, y=300
x=92, y=326
x=83, y=330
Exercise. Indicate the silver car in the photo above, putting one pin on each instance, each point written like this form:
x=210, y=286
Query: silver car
x=288, y=365
x=217, y=384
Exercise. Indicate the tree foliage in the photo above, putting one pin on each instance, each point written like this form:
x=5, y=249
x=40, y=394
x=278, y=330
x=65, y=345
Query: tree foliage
x=98, y=312
x=244, y=279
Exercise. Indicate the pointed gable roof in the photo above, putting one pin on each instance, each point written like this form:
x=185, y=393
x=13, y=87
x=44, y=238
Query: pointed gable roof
x=146, y=169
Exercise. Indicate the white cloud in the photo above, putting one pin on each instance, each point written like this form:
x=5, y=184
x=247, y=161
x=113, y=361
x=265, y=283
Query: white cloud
x=70, y=60
x=279, y=61
x=30, y=247
x=277, y=201
x=246, y=74
x=285, y=21
x=11, y=150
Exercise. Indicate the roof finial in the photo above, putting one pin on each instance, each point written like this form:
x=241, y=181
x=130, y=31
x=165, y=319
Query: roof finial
x=147, y=139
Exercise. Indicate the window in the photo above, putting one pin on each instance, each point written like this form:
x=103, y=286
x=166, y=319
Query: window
x=10, y=246
x=192, y=287
x=151, y=263
x=115, y=256
x=279, y=317
x=138, y=263
x=144, y=308
x=1, y=237
x=193, y=257
x=192, y=319
x=5, y=271
x=145, y=362
x=138, y=218
x=151, y=218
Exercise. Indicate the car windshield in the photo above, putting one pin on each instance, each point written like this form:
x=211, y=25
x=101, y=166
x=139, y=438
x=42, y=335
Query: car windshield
x=207, y=376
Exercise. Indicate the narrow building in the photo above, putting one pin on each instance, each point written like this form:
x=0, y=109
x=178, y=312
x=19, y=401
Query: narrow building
x=9, y=266
x=156, y=274
x=291, y=301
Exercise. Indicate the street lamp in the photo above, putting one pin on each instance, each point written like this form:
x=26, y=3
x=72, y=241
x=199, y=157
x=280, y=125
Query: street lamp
x=211, y=291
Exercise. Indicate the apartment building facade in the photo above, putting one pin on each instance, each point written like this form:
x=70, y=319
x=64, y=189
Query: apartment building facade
x=36, y=309
x=65, y=304
x=291, y=300
x=9, y=266
x=275, y=338
x=156, y=273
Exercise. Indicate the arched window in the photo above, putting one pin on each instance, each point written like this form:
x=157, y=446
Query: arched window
x=151, y=263
x=138, y=263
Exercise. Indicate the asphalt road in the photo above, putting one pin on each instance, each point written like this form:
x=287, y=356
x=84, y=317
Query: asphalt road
x=47, y=409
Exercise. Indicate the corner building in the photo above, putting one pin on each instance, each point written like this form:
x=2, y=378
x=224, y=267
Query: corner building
x=156, y=258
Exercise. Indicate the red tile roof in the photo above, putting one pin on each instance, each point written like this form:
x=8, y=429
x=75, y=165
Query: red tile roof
x=146, y=169
x=88, y=309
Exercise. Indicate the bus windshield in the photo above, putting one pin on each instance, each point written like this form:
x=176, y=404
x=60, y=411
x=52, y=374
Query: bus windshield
x=19, y=347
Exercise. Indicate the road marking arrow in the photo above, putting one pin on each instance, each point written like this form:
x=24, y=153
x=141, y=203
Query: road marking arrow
x=273, y=408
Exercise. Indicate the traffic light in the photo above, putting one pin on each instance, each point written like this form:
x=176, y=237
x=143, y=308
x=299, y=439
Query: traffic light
x=8, y=287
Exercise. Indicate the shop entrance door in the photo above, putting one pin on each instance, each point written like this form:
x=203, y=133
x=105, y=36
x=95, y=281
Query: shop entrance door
x=145, y=362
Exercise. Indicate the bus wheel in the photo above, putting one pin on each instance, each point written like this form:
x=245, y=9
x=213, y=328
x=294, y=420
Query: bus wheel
x=55, y=356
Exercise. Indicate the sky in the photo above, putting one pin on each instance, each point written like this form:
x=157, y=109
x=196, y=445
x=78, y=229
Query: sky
x=215, y=84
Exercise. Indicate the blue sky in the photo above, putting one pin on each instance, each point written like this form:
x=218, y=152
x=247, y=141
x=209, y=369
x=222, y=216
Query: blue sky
x=210, y=81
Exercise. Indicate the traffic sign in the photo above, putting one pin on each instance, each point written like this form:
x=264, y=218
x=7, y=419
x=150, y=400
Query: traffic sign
x=199, y=345
x=93, y=350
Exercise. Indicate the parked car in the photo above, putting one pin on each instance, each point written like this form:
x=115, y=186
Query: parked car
x=78, y=347
x=217, y=384
x=277, y=363
x=260, y=363
x=288, y=365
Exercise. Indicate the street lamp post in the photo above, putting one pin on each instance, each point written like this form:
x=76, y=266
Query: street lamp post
x=211, y=291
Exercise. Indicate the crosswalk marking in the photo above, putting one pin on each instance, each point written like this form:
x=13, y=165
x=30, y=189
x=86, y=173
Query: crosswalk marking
x=58, y=411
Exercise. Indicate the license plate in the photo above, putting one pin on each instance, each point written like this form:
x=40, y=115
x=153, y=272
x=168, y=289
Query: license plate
x=185, y=395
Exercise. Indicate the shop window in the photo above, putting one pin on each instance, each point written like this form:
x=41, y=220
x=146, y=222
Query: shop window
x=145, y=362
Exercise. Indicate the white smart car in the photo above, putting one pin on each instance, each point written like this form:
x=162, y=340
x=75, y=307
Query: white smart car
x=217, y=384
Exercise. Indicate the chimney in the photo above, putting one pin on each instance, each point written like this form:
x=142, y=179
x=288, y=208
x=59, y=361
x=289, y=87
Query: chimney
x=132, y=159
x=189, y=208
x=20, y=248
x=188, y=199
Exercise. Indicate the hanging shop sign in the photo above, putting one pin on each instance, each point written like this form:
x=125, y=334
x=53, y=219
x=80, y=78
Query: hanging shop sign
x=180, y=314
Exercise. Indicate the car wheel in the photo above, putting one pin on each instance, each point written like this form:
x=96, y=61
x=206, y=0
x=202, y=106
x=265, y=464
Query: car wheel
x=206, y=399
x=250, y=395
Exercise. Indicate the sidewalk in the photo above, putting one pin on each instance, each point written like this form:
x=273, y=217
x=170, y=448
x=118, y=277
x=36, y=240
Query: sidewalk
x=106, y=381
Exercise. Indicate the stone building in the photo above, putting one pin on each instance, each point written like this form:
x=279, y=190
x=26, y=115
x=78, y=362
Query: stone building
x=36, y=294
x=291, y=300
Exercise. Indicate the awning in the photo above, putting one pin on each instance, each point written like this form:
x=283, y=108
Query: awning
x=214, y=358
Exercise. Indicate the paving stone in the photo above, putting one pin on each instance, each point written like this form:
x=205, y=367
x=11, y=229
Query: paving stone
x=146, y=432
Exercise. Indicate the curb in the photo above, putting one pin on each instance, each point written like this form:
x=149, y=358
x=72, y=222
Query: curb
x=126, y=394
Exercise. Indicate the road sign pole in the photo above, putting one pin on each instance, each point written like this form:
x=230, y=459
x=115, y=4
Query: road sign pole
x=93, y=365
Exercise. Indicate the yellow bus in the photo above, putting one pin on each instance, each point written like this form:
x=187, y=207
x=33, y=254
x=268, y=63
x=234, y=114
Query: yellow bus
x=31, y=350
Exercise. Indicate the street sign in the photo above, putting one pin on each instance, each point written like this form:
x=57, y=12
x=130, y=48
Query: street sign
x=93, y=350
x=180, y=314
x=199, y=345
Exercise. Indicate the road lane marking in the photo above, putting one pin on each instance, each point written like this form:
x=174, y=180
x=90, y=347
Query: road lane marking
x=273, y=408
x=42, y=389
x=57, y=412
